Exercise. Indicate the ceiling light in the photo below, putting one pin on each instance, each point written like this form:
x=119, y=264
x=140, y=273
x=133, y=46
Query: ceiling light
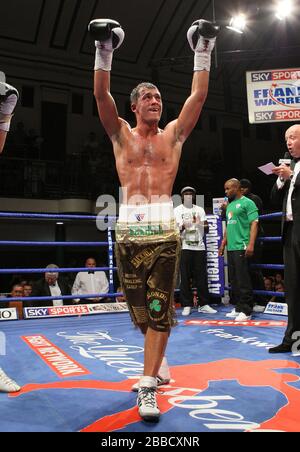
x=284, y=9
x=237, y=23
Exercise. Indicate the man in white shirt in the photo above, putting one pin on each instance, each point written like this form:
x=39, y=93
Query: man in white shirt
x=193, y=225
x=286, y=192
x=92, y=282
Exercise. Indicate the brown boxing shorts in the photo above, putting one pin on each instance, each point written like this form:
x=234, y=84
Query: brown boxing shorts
x=147, y=258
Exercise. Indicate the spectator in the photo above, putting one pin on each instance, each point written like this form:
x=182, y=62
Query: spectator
x=278, y=288
x=92, y=282
x=268, y=282
x=27, y=289
x=17, y=292
x=279, y=278
x=50, y=286
x=268, y=286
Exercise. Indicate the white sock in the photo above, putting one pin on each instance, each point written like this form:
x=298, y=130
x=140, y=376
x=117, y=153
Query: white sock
x=164, y=371
x=148, y=382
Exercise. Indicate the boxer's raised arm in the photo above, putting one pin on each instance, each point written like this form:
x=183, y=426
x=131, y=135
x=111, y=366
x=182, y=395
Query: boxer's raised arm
x=201, y=36
x=108, y=36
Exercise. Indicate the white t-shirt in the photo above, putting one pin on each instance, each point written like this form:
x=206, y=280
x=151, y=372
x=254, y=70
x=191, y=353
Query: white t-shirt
x=193, y=234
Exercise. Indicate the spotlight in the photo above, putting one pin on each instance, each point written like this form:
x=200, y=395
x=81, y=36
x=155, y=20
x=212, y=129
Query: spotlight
x=237, y=23
x=284, y=9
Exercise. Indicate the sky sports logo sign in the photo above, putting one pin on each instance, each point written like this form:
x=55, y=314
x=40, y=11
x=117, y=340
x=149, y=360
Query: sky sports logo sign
x=272, y=116
x=273, y=95
x=278, y=75
x=55, y=311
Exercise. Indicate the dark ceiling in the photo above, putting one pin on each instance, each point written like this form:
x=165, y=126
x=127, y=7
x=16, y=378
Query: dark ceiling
x=56, y=30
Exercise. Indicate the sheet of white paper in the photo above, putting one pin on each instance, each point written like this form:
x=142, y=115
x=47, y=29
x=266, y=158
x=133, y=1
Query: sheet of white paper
x=267, y=169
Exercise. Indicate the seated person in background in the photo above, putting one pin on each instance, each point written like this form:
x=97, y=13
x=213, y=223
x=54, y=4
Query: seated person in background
x=278, y=288
x=268, y=284
x=92, y=282
x=27, y=288
x=16, y=292
x=50, y=286
x=279, y=278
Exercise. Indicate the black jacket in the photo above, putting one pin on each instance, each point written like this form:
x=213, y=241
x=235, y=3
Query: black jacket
x=279, y=200
x=41, y=289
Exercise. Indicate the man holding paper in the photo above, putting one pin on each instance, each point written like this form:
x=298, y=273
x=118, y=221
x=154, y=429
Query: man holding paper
x=286, y=192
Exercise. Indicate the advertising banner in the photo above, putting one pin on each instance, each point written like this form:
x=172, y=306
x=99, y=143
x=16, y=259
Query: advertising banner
x=273, y=95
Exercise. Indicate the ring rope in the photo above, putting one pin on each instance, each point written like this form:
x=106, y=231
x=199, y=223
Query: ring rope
x=62, y=297
x=8, y=271
x=50, y=216
x=28, y=243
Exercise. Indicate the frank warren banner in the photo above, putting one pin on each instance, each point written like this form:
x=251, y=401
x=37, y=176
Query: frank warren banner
x=273, y=95
x=215, y=264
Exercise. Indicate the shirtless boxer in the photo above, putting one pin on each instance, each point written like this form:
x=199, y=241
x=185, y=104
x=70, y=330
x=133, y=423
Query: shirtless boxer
x=8, y=100
x=147, y=159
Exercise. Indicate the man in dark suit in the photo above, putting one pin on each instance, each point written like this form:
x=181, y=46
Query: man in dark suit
x=287, y=191
x=50, y=286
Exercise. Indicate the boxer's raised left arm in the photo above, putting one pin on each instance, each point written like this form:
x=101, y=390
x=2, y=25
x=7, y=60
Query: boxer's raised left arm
x=108, y=35
x=201, y=36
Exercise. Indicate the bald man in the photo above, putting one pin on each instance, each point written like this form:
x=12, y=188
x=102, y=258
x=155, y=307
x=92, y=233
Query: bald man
x=286, y=194
x=239, y=238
